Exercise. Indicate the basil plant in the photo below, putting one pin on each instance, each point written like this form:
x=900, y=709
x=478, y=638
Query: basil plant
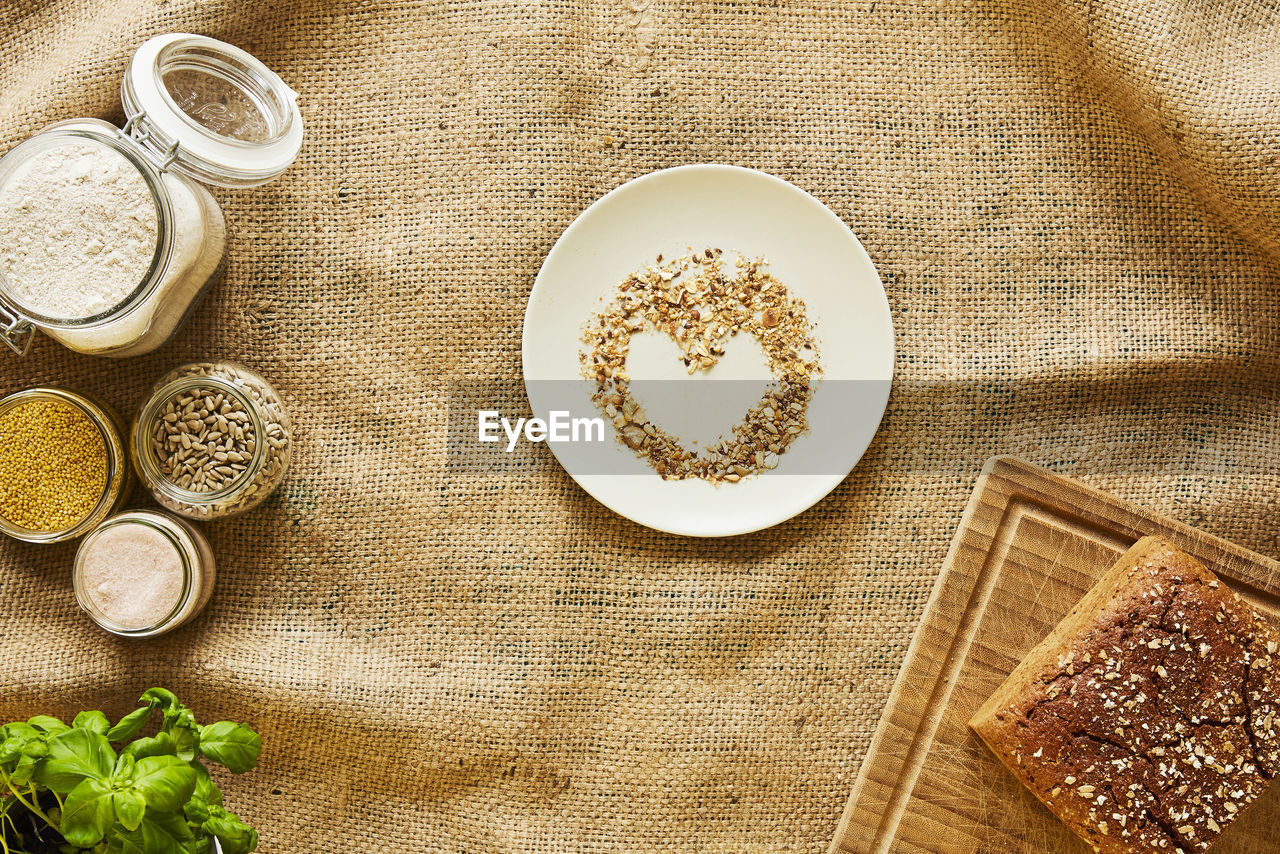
x=65, y=789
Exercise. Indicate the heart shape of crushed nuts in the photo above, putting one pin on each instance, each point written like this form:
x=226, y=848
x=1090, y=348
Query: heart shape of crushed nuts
x=697, y=304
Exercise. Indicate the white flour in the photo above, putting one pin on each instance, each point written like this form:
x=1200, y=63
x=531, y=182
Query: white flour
x=77, y=231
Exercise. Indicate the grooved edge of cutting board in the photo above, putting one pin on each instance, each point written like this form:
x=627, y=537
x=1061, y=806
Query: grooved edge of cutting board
x=1029, y=545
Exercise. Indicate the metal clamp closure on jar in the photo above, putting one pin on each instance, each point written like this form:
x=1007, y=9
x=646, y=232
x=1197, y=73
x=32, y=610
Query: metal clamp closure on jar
x=135, y=128
x=16, y=331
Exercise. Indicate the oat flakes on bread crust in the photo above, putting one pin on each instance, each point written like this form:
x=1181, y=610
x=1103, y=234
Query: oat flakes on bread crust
x=1149, y=718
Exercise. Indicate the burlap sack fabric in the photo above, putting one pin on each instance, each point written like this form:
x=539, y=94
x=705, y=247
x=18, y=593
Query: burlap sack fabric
x=1073, y=206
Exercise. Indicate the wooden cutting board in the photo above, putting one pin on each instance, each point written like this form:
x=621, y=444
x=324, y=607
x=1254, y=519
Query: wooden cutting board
x=1030, y=544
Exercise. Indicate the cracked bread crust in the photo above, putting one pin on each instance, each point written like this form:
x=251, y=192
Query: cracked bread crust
x=1150, y=717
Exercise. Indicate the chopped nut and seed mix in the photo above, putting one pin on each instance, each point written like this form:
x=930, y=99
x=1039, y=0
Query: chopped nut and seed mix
x=693, y=300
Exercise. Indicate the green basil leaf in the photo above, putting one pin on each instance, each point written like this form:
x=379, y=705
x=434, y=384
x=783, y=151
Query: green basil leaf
x=130, y=806
x=87, y=813
x=36, y=748
x=234, y=836
x=10, y=750
x=161, y=745
x=21, y=750
x=92, y=721
x=19, y=732
x=130, y=725
x=16, y=739
x=157, y=835
x=196, y=810
x=123, y=772
x=49, y=725
x=159, y=698
x=166, y=781
x=186, y=741
x=204, y=783
x=23, y=771
x=179, y=717
x=75, y=755
x=234, y=745
x=206, y=789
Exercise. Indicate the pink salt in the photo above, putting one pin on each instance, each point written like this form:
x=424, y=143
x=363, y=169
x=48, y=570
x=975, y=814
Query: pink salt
x=133, y=575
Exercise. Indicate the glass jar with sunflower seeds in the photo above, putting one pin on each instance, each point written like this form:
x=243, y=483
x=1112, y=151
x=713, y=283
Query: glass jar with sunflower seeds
x=212, y=440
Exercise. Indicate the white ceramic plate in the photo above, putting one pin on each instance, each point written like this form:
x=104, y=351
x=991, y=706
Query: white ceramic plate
x=809, y=249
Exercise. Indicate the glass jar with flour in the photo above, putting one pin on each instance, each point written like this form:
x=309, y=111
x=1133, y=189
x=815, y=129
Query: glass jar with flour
x=108, y=238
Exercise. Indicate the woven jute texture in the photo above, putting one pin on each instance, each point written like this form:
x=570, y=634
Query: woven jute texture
x=1074, y=209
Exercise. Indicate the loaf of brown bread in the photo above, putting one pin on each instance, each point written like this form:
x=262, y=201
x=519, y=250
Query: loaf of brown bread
x=1150, y=717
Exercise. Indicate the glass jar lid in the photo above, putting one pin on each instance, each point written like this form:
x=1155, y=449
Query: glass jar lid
x=210, y=110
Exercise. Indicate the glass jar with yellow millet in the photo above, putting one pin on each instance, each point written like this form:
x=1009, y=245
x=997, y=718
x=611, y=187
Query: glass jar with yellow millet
x=63, y=464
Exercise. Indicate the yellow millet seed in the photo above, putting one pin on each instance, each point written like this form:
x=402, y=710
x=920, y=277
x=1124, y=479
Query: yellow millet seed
x=53, y=465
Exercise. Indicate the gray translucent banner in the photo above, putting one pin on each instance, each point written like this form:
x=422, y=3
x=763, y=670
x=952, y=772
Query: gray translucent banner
x=842, y=416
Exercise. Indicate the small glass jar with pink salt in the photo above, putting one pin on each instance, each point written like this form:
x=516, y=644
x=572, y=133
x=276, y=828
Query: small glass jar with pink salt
x=143, y=573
